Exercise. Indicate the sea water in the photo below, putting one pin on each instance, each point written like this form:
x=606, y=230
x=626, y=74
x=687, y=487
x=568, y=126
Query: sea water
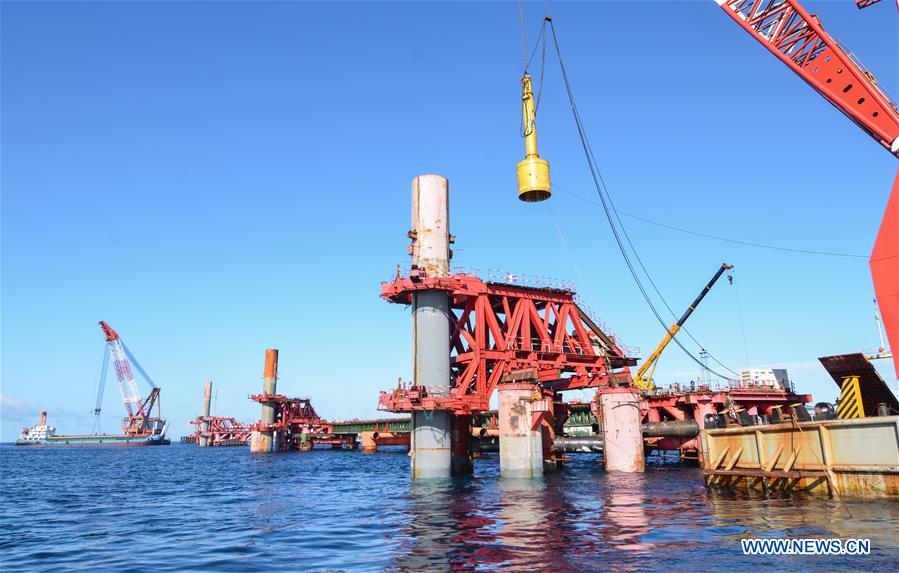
x=183, y=508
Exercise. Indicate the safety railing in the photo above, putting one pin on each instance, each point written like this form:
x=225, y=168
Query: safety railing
x=628, y=351
x=870, y=75
x=437, y=391
x=500, y=276
x=495, y=275
x=550, y=347
x=536, y=281
x=751, y=386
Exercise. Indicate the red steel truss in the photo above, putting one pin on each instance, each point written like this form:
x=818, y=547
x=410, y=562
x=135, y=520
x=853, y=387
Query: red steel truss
x=298, y=426
x=865, y=3
x=499, y=328
x=222, y=431
x=292, y=416
x=694, y=403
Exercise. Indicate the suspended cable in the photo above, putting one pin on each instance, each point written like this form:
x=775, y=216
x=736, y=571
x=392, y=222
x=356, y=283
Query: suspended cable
x=100, y=387
x=742, y=325
x=138, y=366
x=606, y=200
x=562, y=240
x=656, y=288
x=718, y=238
x=541, y=41
x=524, y=42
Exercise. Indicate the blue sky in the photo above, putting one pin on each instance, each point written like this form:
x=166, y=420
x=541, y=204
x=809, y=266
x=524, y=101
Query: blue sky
x=215, y=178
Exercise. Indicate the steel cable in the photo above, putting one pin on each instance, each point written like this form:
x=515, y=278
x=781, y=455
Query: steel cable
x=608, y=207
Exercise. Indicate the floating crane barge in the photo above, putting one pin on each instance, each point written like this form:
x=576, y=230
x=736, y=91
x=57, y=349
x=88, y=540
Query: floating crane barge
x=139, y=426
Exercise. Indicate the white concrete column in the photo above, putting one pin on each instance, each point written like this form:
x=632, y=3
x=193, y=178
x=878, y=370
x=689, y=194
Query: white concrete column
x=204, y=424
x=520, y=448
x=622, y=434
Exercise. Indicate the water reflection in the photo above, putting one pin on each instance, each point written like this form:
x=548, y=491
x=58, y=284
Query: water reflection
x=800, y=515
x=330, y=511
x=625, y=510
x=582, y=518
x=516, y=524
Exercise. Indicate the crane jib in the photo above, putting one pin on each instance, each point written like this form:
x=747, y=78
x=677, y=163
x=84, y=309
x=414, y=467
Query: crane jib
x=702, y=294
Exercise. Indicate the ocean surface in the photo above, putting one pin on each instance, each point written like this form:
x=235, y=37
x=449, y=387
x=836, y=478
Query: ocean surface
x=181, y=508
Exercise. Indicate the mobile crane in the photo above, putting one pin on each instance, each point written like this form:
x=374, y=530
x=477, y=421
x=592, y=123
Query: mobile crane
x=643, y=378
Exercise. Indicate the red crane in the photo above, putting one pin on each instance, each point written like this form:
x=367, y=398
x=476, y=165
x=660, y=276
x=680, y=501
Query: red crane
x=798, y=39
x=138, y=420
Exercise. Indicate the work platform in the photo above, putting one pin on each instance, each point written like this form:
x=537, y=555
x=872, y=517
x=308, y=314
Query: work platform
x=502, y=327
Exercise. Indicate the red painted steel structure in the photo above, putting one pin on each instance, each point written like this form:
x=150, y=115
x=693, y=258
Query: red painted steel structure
x=694, y=403
x=222, y=431
x=292, y=415
x=799, y=40
x=296, y=423
x=865, y=3
x=139, y=420
x=500, y=328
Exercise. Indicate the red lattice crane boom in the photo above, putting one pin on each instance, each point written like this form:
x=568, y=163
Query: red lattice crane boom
x=138, y=420
x=798, y=39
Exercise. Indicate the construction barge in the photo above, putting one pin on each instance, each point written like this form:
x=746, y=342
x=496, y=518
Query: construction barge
x=139, y=426
x=841, y=458
x=849, y=451
x=44, y=435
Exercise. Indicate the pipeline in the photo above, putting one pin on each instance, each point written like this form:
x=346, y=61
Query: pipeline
x=570, y=444
x=577, y=443
x=674, y=429
x=671, y=429
x=483, y=445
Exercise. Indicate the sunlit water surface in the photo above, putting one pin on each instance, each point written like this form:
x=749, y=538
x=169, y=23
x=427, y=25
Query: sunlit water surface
x=181, y=508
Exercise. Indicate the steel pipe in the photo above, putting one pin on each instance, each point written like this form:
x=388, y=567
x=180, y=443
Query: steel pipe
x=671, y=429
x=577, y=443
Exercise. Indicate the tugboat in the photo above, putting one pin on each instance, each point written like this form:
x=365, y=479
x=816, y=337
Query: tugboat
x=139, y=427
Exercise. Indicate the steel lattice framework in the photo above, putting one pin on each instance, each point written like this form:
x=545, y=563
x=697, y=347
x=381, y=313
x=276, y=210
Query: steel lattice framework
x=292, y=416
x=222, y=430
x=498, y=329
x=798, y=39
x=127, y=384
x=297, y=426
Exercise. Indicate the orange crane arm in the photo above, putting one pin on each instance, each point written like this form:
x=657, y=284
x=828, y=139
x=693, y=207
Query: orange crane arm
x=799, y=40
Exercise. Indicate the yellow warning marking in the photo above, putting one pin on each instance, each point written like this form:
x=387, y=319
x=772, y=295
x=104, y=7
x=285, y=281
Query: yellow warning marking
x=850, y=405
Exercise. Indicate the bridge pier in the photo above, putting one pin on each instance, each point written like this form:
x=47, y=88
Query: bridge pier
x=433, y=439
x=431, y=444
x=520, y=445
x=621, y=429
x=264, y=440
x=203, y=440
x=461, y=460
